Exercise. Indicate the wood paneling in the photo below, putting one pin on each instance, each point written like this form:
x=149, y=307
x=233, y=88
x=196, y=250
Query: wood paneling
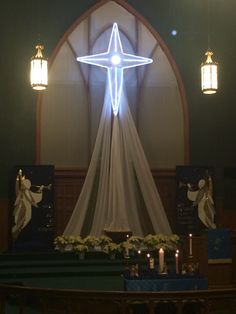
x=4, y=224
x=68, y=184
x=166, y=184
x=67, y=187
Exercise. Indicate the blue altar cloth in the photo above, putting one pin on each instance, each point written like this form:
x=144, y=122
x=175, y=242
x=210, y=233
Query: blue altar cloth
x=167, y=283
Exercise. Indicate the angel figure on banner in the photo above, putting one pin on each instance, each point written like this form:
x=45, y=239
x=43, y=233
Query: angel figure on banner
x=202, y=198
x=25, y=199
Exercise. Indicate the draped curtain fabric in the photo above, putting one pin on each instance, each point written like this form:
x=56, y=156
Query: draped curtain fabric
x=119, y=193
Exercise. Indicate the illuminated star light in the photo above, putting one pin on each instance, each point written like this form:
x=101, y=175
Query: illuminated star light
x=115, y=61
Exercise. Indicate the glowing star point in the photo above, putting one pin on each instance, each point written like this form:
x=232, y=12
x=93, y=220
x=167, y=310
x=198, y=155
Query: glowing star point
x=115, y=61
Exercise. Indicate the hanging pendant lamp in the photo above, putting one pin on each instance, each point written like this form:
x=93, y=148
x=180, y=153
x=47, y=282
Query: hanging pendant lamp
x=209, y=68
x=39, y=70
x=209, y=75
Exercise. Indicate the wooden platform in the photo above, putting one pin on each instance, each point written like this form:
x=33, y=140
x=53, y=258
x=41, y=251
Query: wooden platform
x=65, y=270
x=62, y=270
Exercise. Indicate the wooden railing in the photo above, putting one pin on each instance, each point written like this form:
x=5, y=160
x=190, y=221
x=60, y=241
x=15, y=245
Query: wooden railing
x=24, y=300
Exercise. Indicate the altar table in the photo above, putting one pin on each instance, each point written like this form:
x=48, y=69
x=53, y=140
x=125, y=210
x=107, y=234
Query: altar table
x=166, y=283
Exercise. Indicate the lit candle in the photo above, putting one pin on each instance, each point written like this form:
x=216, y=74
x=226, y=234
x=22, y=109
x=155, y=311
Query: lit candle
x=177, y=262
x=190, y=244
x=161, y=259
x=127, y=249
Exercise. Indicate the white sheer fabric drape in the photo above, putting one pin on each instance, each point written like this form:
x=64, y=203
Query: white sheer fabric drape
x=119, y=193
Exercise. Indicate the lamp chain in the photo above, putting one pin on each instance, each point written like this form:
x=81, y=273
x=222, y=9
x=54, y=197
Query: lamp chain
x=208, y=24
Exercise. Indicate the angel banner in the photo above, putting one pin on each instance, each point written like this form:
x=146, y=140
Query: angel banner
x=32, y=208
x=195, y=200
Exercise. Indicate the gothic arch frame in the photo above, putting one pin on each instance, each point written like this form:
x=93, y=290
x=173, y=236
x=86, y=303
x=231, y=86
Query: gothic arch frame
x=164, y=47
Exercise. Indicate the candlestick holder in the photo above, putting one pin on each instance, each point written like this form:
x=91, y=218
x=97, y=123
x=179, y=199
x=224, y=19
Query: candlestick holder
x=190, y=268
x=163, y=271
x=127, y=260
x=151, y=263
x=134, y=270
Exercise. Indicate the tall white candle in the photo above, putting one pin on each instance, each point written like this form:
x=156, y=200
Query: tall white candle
x=161, y=259
x=127, y=250
x=190, y=244
x=176, y=262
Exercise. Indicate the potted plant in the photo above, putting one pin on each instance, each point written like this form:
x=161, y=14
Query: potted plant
x=128, y=248
x=112, y=249
x=80, y=250
x=92, y=242
x=104, y=240
x=151, y=241
x=174, y=242
x=63, y=243
x=136, y=241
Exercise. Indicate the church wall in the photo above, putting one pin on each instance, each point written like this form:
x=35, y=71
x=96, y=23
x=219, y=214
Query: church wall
x=211, y=118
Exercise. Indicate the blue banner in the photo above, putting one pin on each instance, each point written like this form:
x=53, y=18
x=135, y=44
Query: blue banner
x=219, y=246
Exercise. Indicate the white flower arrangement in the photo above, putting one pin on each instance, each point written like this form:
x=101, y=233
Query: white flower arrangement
x=59, y=241
x=104, y=240
x=67, y=242
x=173, y=242
x=112, y=247
x=79, y=248
x=128, y=246
x=137, y=241
x=105, y=243
x=151, y=241
x=91, y=241
x=167, y=242
x=76, y=240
